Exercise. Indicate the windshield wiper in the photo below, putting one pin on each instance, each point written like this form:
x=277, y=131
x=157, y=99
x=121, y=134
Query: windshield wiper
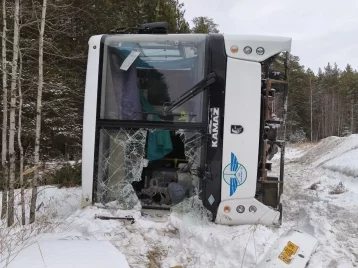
x=192, y=92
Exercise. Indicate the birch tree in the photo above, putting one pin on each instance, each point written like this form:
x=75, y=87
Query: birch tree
x=19, y=131
x=4, y=116
x=12, y=128
x=38, y=115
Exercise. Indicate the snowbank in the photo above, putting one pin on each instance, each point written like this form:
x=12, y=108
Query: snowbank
x=52, y=202
x=336, y=154
x=216, y=245
x=184, y=237
x=346, y=163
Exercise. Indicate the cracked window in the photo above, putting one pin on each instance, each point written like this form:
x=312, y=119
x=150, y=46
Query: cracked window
x=129, y=176
x=120, y=162
x=193, y=144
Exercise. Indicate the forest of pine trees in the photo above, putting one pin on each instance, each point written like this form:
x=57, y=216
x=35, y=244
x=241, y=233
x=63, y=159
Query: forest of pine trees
x=323, y=104
x=69, y=25
x=43, y=67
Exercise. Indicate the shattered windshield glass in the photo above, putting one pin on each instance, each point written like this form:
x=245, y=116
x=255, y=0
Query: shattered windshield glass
x=143, y=74
x=123, y=160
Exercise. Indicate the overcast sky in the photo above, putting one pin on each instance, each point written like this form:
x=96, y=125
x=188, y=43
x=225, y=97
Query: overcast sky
x=322, y=30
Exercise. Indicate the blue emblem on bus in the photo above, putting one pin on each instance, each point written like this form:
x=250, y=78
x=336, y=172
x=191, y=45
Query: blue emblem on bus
x=234, y=174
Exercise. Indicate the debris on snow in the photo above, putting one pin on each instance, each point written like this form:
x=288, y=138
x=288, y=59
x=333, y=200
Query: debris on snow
x=328, y=169
x=315, y=185
x=338, y=189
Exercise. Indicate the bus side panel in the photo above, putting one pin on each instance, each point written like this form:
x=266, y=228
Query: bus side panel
x=241, y=129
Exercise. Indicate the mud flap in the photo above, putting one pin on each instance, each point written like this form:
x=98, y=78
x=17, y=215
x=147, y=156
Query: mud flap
x=292, y=250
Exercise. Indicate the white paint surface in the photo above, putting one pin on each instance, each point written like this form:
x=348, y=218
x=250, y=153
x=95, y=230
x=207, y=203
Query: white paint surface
x=271, y=44
x=29, y=257
x=70, y=254
x=263, y=215
x=305, y=242
x=242, y=107
x=89, y=119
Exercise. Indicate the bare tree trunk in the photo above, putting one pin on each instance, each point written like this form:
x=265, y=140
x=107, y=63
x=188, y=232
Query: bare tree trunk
x=339, y=112
x=328, y=115
x=12, y=128
x=333, y=112
x=4, y=118
x=38, y=115
x=311, y=111
x=352, y=116
x=323, y=126
x=23, y=216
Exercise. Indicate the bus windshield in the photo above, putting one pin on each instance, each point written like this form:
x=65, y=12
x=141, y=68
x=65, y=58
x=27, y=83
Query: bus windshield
x=143, y=74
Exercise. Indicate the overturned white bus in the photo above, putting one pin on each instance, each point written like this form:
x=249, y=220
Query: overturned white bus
x=169, y=116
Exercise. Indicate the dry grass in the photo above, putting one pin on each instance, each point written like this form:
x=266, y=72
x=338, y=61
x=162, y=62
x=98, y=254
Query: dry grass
x=16, y=238
x=155, y=255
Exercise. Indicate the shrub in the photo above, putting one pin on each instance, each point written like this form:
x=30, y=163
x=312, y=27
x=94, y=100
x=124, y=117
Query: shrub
x=68, y=175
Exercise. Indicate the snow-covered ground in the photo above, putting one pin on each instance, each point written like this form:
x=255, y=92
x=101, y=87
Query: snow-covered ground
x=320, y=195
